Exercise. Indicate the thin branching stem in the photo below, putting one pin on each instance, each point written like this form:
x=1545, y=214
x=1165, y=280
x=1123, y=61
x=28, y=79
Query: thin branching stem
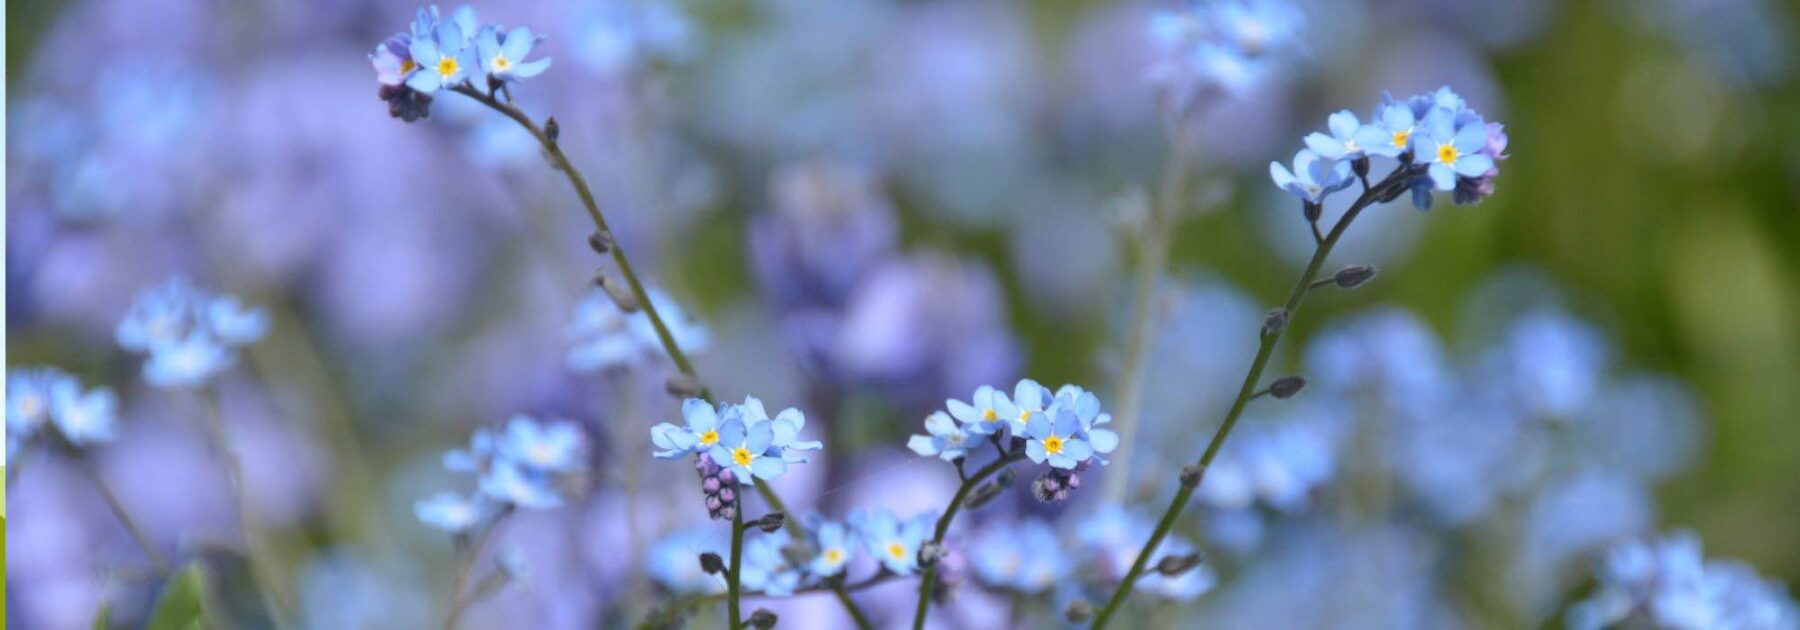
x=256, y=553
x=1397, y=180
x=86, y=463
x=943, y=527
x=458, y=603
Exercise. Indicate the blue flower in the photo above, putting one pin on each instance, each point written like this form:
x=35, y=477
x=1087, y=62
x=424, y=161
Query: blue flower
x=894, y=543
x=1057, y=437
x=393, y=60
x=188, y=362
x=476, y=458
x=785, y=430
x=444, y=58
x=607, y=338
x=83, y=418
x=674, y=561
x=1087, y=410
x=556, y=445
x=163, y=313
x=746, y=450
x=234, y=324
x=835, y=544
x=1670, y=584
x=1028, y=401
x=1391, y=130
x=766, y=568
x=29, y=398
x=189, y=334
x=1454, y=147
x=1343, y=142
x=1025, y=556
x=947, y=439
x=983, y=414
x=1313, y=177
x=451, y=512
x=700, y=434
x=508, y=482
x=505, y=60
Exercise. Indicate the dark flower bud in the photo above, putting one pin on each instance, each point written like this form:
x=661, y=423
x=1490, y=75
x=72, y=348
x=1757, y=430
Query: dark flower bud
x=1177, y=565
x=726, y=476
x=762, y=619
x=1275, y=322
x=1312, y=211
x=1361, y=166
x=494, y=84
x=1078, y=611
x=727, y=495
x=709, y=485
x=1285, y=387
x=771, y=522
x=1005, y=478
x=551, y=129
x=711, y=563
x=621, y=295
x=1191, y=474
x=983, y=494
x=713, y=503
x=930, y=551
x=602, y=242
x=1353, y=276
x=681, y=386
x=726, y=513
x=1392, y=193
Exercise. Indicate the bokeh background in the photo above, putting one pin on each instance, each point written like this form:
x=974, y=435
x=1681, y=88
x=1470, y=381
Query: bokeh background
x=872, y=206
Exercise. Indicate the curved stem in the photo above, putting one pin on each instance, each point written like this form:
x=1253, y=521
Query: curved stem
x=856, y=614
x=1398, y=179
x=1158, y=236
x=118, y=510
x=262, y=566
x=943, y=527
x=733, y=577
x=457, y=604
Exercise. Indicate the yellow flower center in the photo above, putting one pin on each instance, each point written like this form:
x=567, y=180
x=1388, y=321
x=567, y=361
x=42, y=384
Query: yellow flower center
x=501, y=63
x=1024, y=415
x=988, y=415
x=742, y=456
x=897, y=550
x=834, y=555
x=1447, y=153
x=407, y=65
x=1401, y=136
x=31, y=406
x=709, y=437
x=1053, y=444
x=447, y=66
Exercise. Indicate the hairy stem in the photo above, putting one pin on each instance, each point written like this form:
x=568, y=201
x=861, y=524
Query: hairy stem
x=733, y=580
x=118, y=510
x=256, y=554
x=458, y=604
x=1398, y=179
x=943, y=527
x=1158, y=236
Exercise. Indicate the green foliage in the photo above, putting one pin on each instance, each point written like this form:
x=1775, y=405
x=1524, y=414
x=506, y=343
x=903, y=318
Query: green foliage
x=182, y=605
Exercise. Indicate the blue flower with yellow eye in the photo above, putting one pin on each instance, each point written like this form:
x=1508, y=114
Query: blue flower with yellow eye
x=504, y=59
x=1344, y=142
x=947, y=440
x=555, y=445
x=700, y=434
x=1087, y=411
x=983, y=414
x=895, y=544
x=835, y=544
x=1391, y=131
x=784, y=427
x=1056, y=437
x=1313, y=178
x=745, y=449
x=766, y=568
x=1028, y=401
x=444, y=58
x=1453, y=147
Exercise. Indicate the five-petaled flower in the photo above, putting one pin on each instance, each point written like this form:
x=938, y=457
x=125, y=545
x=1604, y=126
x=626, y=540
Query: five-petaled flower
x=835, y=544
x=893, y=543
x=747, y=449
x=947, y=440
x=504, y=59
x=1454, y=146
x=1313, y=177
x=1346, y=139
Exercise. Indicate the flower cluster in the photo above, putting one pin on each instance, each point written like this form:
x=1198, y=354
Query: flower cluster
x=1212, y=48
x=190, y=335
x=437, y=53
x=603, y=337
x=1669, y=584
x=527, y=465
x=41, y=400
x=733, y=444
x=1062, y=429
x=1435, y=135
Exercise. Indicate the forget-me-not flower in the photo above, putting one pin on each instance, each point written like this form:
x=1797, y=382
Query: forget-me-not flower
x=83, y=418
x=947, y=440
x=187, y=362
x=784, y=427
x=893, y=543
x=190, y=335
x=1391, y=132
x=1343, y=143
x=603, y=337
x=700, y=434
x=1087, y=410
x=1025, y=556
x=1453, y=147
x=556, y=445
x=504, y=59
x=451, y=512
x=986, y=413
x=509, y=482
x=28, y=398
x=1056, y=437
x=444, y=58
x=766, y=568
x=835, y=544
x=746, y=449
x=1313, y=177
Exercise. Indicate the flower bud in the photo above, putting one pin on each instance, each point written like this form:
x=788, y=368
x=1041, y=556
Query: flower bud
x=711, y=563
x=1286, y=387
x=1078, y=611
x=762, y=619
x=1360, y=165
x=930, y=551
x=551, y=129
x=1177, y=565
x=602, y=242
x=681, y=386
x=621, y=295
x=1005, y=478
x=1353, y=276
x=1275, y=322
x=1312, y=211
x=771, y=522
x=1191, y=474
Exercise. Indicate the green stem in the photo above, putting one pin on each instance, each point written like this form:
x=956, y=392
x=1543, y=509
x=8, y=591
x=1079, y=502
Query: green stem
x=856, y=614
x=1397, y=179
x=733, y=581
x=118, y=510
x=943, y=527
x=1158, y=236
x=262, y=566
x=458, y=583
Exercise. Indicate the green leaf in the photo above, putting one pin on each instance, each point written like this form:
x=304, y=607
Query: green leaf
x=182, y=604
x=103, y=617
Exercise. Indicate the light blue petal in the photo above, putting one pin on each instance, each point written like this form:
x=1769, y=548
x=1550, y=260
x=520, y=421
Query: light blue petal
x=1280, y=175
x=767, y=467
x=1473, y=165
x=1035, y=450
x=1077, y=450
x=1442, y=177
x=518, y=43
x=962, y=411
x=940, y=424
x=1326, y=145
x=761, y=435
x=923, y=445
x=1343, y=124
x=1103, y=440
x=1471, y=137
x=426, y=82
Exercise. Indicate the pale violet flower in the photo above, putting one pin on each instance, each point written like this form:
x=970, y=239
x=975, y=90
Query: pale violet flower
x=504, y=59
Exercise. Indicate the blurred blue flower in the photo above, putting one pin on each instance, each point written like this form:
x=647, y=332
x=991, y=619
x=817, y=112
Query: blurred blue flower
x=1672, y=585
x=83, y=418
x=1024, y=556
x=894, y=543
x=475, y=458
x=766, y=568
x=674, y=561
x=190, y=335
x=553, y=445
x=947, y=440
x=1552, y=363
x=1210, y=49
x=700, y=434
x=508, y=482
x=1343, y=142
x=604, y=338
x=451, y=512
x=188, y=362
x=1314, y=178
x=505, y=59
x=234, y=324
x=836, y=545
x=29, y=395
x=614, y=35
x=1114, y=535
